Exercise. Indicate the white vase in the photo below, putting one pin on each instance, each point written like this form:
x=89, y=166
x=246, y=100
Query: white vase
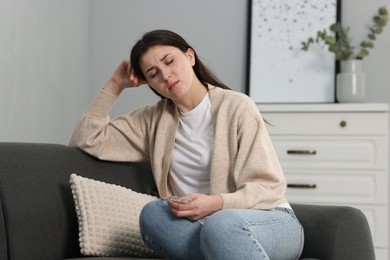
x=351, y=82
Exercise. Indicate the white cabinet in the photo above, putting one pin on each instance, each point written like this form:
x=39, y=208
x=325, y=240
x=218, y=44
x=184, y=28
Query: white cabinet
x=336, y=154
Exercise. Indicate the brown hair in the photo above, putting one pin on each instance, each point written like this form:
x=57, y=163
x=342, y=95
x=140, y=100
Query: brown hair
x=169, y=38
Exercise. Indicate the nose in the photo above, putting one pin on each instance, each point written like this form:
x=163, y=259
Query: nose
x=166, y=73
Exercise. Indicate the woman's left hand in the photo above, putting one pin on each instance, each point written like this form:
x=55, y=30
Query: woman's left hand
x=195, y=206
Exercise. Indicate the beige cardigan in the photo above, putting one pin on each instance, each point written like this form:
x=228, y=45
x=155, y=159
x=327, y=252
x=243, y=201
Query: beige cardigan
x=244, y=169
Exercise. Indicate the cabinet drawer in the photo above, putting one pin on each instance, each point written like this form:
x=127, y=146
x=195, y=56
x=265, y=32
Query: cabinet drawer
x=327, y=123
x=347, y=187
x=327, y=152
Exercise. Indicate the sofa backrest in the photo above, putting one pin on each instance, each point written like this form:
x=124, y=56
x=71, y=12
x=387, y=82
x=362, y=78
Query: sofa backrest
x=37, y=214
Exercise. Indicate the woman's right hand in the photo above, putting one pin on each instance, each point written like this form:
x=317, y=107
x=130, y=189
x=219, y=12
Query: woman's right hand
x=122, y=78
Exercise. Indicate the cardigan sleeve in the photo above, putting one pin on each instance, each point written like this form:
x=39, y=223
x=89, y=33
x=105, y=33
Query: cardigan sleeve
x=252, y=176
x=121, y=139
x=258, y=176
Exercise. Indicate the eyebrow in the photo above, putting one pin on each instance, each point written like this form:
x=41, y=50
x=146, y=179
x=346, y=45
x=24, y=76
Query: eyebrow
x=163, y=58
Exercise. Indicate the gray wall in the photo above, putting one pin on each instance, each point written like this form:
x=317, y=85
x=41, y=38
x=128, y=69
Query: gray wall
x=357, y=15
x=216, y=29
x=43, y=68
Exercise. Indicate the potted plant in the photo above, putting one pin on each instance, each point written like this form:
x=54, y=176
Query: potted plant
x=339, y=42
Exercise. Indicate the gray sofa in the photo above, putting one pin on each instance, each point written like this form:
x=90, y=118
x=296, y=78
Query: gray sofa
x=38, y=219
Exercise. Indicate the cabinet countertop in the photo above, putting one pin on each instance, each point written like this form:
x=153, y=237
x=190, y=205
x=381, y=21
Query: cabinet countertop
x=324, y=107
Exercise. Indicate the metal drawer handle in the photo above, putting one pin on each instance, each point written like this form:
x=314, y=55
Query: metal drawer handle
x=310, y=152
x=302, y=186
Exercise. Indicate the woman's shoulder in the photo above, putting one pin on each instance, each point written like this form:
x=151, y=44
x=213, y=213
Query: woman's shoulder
x=230, y=97
x=157, y=110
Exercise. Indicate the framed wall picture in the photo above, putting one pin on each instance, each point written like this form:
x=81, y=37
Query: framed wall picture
x=279, y=71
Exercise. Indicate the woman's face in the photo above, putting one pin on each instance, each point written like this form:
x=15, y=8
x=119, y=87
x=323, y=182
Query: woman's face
x=168, y=70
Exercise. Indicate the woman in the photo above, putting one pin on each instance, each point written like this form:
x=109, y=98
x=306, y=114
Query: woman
x=216, y=170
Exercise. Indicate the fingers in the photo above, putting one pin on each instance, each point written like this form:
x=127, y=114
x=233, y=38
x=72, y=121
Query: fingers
x=184, y=207
x=184, y=211
x=125, y=75
x=195, y=206
x=181, y=200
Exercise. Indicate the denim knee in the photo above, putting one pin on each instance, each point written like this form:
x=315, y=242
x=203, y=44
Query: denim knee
x=147, y=213
x=219, y=236
x=169, y=236
x=150, y=229
x=251, y=234
x=218, y=224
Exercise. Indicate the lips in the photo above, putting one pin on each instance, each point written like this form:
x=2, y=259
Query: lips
x=171, y=85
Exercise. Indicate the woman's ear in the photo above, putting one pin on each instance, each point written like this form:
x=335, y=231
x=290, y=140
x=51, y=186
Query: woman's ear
x=191, y=55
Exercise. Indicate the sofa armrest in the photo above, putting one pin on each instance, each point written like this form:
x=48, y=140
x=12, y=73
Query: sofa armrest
x=335, y=232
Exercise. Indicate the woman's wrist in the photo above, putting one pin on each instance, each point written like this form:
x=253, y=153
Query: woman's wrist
x=112, y=87
x=218, y=202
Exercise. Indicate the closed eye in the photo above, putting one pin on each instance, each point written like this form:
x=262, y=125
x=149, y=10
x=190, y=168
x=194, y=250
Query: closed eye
x=152, y=74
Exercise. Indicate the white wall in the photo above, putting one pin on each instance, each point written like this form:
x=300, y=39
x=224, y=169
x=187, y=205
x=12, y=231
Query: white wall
x=43, y=68
x=56, y=54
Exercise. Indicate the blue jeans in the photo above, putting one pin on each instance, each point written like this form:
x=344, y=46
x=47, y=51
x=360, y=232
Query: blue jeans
x=227, y=234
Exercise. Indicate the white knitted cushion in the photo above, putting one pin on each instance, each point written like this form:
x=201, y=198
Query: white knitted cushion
x=108, y=217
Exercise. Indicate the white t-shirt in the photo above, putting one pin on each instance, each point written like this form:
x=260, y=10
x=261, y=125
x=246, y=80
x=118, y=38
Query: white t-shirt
x=190, y=165
x=191, y=157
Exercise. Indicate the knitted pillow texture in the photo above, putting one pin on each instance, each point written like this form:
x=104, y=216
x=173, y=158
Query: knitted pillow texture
x=108, y=218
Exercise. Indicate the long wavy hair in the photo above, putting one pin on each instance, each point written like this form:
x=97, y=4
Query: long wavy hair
x=169, y=38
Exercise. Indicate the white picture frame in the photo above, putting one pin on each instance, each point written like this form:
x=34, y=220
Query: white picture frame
x=279, y=70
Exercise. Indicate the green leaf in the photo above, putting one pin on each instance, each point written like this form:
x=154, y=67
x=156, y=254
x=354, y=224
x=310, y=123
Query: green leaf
x=305, y=46
x=363, y=53
x=372, y=36
x=333, y=48
x=334, y=27
x=367, y=44
x=339, y=41
x=383, y=10
x=378, y=30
